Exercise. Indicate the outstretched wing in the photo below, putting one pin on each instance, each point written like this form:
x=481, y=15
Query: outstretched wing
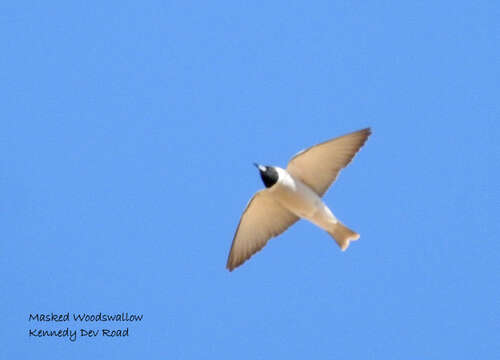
x=262, y=219
x=320, y=165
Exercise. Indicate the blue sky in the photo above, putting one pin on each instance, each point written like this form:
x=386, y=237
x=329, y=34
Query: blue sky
x=128, y=131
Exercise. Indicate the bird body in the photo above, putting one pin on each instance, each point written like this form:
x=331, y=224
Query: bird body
x=300, y=199
x=294, y=193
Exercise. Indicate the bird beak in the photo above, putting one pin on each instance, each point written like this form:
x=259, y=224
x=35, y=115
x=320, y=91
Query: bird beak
x=260, y=167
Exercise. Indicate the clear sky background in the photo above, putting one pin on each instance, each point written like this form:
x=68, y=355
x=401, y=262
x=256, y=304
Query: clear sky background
x=128, y=131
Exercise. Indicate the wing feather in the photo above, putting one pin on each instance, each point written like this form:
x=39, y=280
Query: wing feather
x=263, y=219
x=319, y=165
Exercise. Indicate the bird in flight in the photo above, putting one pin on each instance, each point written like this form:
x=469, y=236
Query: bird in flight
x=294, y=193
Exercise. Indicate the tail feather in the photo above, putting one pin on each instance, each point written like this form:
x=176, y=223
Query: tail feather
x=342, y=235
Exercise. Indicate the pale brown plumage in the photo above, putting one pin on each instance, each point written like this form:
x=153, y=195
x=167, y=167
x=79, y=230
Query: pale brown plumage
x=317, y=167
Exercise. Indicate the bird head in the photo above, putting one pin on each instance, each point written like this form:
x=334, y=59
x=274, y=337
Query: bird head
x=269, y=174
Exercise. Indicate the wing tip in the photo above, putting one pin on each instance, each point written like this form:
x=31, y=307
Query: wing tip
x=235, y=263
x=231, y=265
x=366, y=134
x=366, y=131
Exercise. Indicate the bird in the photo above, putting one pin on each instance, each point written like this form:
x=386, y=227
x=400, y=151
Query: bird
x=296, y=193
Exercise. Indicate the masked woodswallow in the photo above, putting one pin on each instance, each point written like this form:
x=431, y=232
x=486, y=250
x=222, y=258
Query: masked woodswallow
x=294, y=193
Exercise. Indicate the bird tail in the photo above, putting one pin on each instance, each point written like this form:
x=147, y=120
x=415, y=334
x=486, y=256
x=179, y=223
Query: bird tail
x=342, y=234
